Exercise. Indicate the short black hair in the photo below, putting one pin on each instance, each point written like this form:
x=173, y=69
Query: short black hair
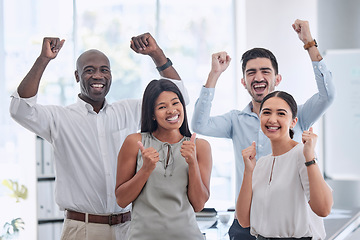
x=288, y=99
x=151, y=93
x=259, y=53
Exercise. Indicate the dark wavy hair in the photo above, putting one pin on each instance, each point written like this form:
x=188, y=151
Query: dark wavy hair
x=151, y=93
x=288, y=99
x=259, y=53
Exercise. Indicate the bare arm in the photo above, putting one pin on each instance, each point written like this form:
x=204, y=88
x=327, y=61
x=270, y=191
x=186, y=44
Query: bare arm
x=30, y=84
x=200, y=164
x=219, y=63
x=321, y=199
x=243, y=203
x=146, y=44
x=303, y=30
x=129, y=183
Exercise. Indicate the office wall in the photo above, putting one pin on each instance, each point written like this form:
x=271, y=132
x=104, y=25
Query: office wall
x=340, y=24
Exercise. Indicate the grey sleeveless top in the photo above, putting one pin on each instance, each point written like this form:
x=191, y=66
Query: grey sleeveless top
x=162, y=210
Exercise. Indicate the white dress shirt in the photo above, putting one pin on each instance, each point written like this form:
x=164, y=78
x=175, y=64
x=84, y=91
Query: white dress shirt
x=85, y=145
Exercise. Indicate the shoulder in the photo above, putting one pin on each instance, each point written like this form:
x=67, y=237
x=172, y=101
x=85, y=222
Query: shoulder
x=202, y=144
x=132, y=138
x=126, y=103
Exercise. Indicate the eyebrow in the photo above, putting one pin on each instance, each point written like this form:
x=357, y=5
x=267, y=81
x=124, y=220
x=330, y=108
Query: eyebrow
x=278, y=110
x=261, y=69
x=164, y=103
x=91, y=66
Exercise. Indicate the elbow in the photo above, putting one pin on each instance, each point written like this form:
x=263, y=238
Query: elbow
x=121, y=203
x=120, y=199
x=198, y=207
x=324, y=210
x=200, y=203
x=243, y=221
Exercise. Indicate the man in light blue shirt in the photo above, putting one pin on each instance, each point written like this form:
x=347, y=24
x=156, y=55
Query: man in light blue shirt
x=260, y=77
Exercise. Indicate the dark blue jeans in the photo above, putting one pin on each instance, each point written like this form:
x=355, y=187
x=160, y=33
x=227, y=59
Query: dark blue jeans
x=236, y=232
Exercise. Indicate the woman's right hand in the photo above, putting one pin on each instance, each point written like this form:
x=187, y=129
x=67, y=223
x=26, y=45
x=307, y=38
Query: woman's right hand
x=150, y=157
x=249, y=154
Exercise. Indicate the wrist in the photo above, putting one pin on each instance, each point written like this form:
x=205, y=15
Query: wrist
x=158, y=57
x=310, y=44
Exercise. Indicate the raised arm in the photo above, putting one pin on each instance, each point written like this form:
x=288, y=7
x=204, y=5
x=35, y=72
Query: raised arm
x=315, y=106
x=30, y=84
x=243, y=203
x=129, y=183
x=321, y=199
x=219, y=63
x=146, y=44
x=303, y=30
x=198, y=157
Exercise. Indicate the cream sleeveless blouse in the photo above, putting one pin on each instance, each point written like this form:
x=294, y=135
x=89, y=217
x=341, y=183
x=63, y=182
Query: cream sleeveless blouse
x=162, y=210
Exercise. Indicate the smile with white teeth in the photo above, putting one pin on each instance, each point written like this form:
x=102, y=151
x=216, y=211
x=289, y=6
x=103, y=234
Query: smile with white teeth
x=273, y=128
x=260, y=86
x=97, y=85
x=173, y=118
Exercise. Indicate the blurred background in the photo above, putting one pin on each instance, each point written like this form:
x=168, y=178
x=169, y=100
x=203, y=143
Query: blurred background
x=188, y=32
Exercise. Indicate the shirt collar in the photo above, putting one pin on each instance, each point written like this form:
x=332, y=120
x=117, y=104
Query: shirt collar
x=248, y=110
x=87, y=108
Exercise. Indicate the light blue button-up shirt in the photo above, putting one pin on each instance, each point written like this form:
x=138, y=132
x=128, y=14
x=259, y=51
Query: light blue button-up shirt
x=243, y=127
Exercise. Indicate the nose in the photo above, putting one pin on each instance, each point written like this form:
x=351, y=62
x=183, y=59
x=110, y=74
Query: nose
x=272, y=118
x=258, y=76
x=171, y=110
x=97, y=74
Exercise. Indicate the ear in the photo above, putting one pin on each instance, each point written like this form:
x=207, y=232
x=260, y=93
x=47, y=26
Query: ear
x=278, y=79
x=243, y=82
x=77, y=76
x=293, y=123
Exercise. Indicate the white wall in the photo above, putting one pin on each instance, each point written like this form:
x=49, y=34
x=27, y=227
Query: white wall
x=268, y=25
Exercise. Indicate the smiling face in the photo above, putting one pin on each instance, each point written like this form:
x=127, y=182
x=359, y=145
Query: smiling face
x=168, y=111
x=94, y=74
x=276, y=119
x=260, y=78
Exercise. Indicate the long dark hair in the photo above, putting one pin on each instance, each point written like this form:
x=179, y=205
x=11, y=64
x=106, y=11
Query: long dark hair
x=288, y=99
x=151, y=93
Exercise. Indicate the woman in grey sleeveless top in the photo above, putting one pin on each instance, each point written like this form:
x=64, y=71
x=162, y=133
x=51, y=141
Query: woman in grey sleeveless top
x=164, y=170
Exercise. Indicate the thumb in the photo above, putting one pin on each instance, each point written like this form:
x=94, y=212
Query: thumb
x=311, y=129
x=141, y=146
x=253, y=144
x=193, y=137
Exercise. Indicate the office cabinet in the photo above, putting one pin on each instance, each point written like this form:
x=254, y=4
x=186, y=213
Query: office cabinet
x=50, y=218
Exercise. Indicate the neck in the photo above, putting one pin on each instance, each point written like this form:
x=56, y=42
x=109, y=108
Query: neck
x=170, y=136
x=256, y=107
x=279, y=147
x=97, y=105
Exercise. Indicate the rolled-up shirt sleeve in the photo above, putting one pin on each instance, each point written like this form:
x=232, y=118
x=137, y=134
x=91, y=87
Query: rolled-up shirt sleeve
x=30, y=115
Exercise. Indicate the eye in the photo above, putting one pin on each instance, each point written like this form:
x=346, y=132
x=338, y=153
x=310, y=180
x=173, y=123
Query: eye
x=281, y=113
x=266, y=112
x=266, y=72
x=250, y=73
x=177, y=102
x=105, y=70
x=89, y=70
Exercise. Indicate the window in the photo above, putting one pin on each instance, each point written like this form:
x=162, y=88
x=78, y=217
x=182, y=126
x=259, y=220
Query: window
x=188, y=39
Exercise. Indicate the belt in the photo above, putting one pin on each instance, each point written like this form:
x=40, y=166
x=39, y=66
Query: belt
x=264, y=238
x=112, y=219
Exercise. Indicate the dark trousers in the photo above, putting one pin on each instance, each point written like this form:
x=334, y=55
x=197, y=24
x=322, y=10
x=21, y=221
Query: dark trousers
x=236, y=232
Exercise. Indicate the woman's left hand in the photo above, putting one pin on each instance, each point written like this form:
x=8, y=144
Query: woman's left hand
x=309, y=139
x=188, y=149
